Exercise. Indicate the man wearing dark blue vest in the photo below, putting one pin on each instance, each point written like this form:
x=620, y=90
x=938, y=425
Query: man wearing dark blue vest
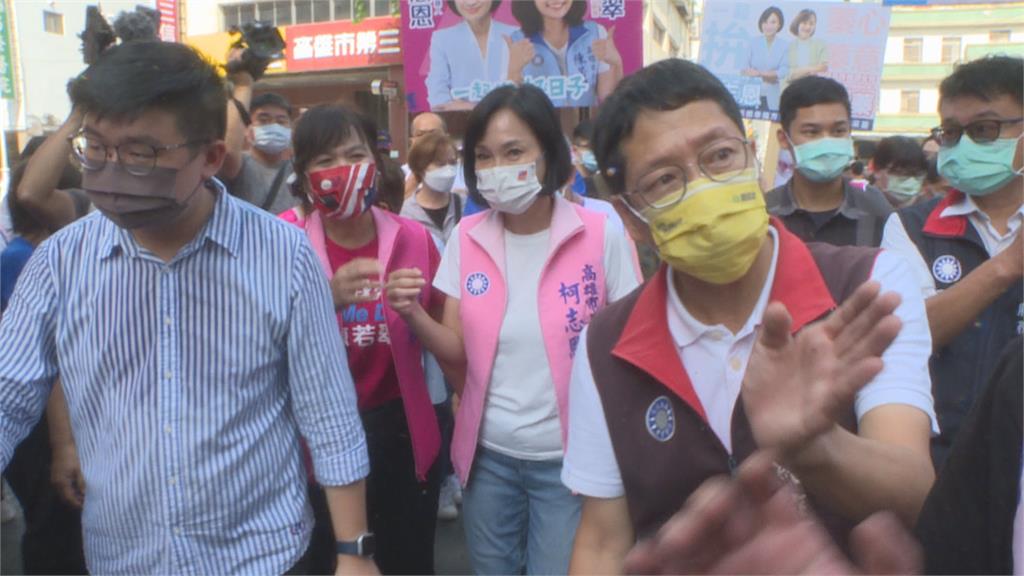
x=747, y=338
x=965, y=249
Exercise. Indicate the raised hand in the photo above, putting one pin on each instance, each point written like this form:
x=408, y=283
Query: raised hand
x=1013, y=257
x=796, y=386
x=604, y=49
x=403, y=290
x=519, y=55
x=355, y=282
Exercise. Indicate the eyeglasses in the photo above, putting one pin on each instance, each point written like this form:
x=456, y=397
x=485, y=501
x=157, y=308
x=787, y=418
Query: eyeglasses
x=980, y=131
x=663, y=187
x=136, y=158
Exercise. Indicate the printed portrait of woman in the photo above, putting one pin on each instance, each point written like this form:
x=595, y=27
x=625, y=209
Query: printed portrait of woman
x=575, y=61
x=767, y=57
x=469, y=59
x=808, y=56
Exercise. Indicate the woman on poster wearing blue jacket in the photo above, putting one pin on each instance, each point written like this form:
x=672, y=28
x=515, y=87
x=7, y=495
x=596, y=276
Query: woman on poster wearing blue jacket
x=574, y=61
x=459, y=75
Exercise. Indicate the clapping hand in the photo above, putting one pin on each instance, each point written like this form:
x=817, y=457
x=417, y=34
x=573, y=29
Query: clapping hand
x=796, y=386
x=752, y=525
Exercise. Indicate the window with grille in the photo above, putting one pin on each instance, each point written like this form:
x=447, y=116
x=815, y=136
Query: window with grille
x=912, y=50
x=999, y=36
x=910, y=101
x=286, y=12
x=950, y=50
x=53, y=22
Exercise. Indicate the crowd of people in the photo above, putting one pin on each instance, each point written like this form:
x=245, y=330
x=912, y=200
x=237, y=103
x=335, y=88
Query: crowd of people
x=245, y=340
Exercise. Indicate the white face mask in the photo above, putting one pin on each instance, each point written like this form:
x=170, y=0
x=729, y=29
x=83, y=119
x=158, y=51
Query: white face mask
x=509, y=189
x=440, y=179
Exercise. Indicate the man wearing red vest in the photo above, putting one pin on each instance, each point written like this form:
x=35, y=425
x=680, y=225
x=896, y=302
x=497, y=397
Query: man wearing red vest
x=655, y=408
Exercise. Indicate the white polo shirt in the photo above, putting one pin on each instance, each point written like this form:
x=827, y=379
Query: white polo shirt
x=716, y=360
x=895, y=238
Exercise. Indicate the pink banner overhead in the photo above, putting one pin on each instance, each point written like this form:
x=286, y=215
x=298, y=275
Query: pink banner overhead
x=456, y=51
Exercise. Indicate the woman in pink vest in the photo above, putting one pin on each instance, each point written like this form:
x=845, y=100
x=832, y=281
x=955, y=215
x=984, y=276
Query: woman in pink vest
x=358, y=244
x=522, y=280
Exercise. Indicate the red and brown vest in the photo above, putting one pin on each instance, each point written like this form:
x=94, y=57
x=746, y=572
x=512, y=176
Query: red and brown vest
x=662, y=441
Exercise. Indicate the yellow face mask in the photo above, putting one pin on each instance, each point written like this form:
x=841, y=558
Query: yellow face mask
x=715, y=232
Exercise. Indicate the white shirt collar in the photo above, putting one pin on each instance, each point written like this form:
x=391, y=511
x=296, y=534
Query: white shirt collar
x=686, y=329
x=967, y=207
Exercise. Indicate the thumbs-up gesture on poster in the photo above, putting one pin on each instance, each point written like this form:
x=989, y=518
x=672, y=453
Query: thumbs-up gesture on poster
x=519, y=55
x=604, y=49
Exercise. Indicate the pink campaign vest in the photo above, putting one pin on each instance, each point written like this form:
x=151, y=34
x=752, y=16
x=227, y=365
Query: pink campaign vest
x=572, y=289
x=402, y=243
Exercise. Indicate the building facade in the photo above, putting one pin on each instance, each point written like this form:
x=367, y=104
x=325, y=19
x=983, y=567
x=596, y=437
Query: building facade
x=667, y=25
x=925, y=43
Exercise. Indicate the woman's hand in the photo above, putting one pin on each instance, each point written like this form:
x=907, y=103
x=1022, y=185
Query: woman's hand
x=604, y=50
x=355, y=282
x=403, y=291
x=519, y=55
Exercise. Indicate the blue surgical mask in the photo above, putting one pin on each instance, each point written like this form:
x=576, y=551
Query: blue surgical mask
x=823, y=159
x=589, y=161
x=272, y=138
x=979, y=169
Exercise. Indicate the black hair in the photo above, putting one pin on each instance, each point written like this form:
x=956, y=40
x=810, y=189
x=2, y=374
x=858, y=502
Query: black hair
x=530, y=20
x=584, y=130
x=803, y=16
x=767, y=14
x=323, y=128
x=986, y=79
x=454, y=8
x=22, y=221
x=270, y=99
x=390, y=184
x=857, y=168
x=533, y=107
x=900, y=152
x=665, y=85
x=131, y=79
x=810, y=91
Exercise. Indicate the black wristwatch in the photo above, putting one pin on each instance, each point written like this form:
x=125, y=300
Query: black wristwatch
x=364, y=546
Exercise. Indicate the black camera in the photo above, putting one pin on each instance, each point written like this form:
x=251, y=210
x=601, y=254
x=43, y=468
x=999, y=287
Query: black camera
x=262, y=44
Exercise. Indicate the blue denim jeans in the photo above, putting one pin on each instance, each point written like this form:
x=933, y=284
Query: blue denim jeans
x=517, y=514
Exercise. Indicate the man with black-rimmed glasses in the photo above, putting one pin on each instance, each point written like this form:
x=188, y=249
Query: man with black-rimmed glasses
x=965, y=249
x=195, y=339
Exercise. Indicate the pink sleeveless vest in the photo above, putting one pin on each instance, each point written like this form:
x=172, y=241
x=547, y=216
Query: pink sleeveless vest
x=402, y=243
x=572, y=289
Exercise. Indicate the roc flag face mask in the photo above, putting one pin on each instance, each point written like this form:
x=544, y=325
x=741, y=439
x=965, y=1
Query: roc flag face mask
x=509, y=189
x=343, y=192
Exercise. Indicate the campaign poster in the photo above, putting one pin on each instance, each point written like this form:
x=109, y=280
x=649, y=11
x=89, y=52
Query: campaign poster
x=456, y=51
x=758, y=47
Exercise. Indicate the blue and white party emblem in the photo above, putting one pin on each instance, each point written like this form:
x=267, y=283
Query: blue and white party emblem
x=661, y=420
x=946, y=269
x=477, y=283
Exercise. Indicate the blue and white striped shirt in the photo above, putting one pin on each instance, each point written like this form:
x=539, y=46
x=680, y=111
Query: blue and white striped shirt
x=188, y=385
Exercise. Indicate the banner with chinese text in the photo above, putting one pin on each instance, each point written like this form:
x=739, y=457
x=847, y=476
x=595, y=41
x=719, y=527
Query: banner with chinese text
x=457, y=51
x=6, y=69
x=758, y=47
x=343, y=44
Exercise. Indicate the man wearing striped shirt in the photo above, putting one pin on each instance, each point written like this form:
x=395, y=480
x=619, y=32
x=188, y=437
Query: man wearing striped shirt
x=196, y=341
